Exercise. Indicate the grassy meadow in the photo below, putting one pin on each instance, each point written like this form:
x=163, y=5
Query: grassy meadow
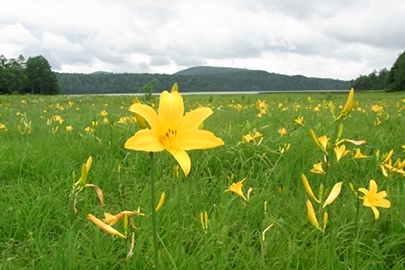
x=45, y=140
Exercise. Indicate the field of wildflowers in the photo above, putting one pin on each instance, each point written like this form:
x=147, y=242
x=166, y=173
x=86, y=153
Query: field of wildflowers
x=266, y=181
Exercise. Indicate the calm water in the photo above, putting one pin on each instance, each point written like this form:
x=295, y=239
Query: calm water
x=231, y=92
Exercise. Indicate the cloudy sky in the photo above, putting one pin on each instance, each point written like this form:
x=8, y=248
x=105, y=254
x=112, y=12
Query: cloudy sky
x=338, y=39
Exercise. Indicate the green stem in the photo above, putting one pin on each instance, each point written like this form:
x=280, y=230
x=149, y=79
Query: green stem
x=179, y=223
x=152, y=190
x=356, y=231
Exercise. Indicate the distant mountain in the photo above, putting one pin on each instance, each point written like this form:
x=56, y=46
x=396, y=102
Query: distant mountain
x=195, y=79
x=207, y=70
x=101, y=72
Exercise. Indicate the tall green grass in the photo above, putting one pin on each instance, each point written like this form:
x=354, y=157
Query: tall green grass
x=39, y=164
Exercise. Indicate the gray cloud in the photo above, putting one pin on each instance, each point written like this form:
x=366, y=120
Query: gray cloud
x=158, y=60
x=339, y=39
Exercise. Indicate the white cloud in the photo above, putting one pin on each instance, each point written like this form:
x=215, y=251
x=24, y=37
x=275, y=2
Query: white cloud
x=339, y=39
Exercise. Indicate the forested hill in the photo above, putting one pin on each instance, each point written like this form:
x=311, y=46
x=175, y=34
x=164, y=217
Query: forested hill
x=197, y=79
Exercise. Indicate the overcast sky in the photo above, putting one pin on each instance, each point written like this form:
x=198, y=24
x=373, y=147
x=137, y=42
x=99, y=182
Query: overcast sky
x=338, y=39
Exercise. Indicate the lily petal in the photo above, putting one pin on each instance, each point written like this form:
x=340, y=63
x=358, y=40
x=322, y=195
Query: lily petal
x=171, y=108
x=323, y=140
x=351, y=141
x=373, y=187
x=376, y=212
x=333, y=194
x=104, y=227
x=148, y=113
x=199, y=139
x=99, y=193
x=383, y=203
x=380, y=195
x=145, y=140
x=363, y=190
x=183, y=159
x=193, y=119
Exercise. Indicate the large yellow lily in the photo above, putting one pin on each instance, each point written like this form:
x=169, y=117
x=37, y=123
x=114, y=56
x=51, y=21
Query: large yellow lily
x=171, y=130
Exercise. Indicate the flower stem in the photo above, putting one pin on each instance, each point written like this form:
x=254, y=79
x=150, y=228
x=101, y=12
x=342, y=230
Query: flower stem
x=152, y=190
x=179, y=223
x=356, y=232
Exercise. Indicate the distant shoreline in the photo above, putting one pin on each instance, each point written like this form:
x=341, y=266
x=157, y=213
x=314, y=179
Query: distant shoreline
x=220, y=93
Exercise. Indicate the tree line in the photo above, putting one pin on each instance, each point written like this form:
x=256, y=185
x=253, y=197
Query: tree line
x=33, y=76
x=248, y=80
x=392, y=80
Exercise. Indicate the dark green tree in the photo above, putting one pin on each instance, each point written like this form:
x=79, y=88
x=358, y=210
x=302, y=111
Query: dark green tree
x=19, y=78
x=148, y=89
x=12, y=75
x=395, y=79
x=40, y=78
x=373, y=81
x=4, y=75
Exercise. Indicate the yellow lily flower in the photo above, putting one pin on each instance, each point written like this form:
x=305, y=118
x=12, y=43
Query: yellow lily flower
x=161, y=201
x=171, y=130
x=387, y=156
x=314, y=138
x=82, y=183
x=103, y=113
x=373, y=199
x=252, y=137
x=69, y=128
x=308, y=187
x=358, y=154
x=387, y=168
x=112, y=219
x=311, y=215
x=340, y=151
x=284, y=148
x=350, y=103
x=237, y=188
x=282, y=131
x=299, y=120
x=351, y=141
x=323, y=140
x=107, y=228
x=333, y=194
x=317, y=168
x=85, y=170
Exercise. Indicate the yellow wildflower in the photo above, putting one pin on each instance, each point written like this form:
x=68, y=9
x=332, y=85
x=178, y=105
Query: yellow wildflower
x=373, y=199
x=350, y=103
x=282, y=131
x=317, y=168
x=311, y=215
x=333, y=194
x=340, y=152
x=171, y=130
x=237, y=188
x=358, y=154
x=107, y=228
x=299, y=120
